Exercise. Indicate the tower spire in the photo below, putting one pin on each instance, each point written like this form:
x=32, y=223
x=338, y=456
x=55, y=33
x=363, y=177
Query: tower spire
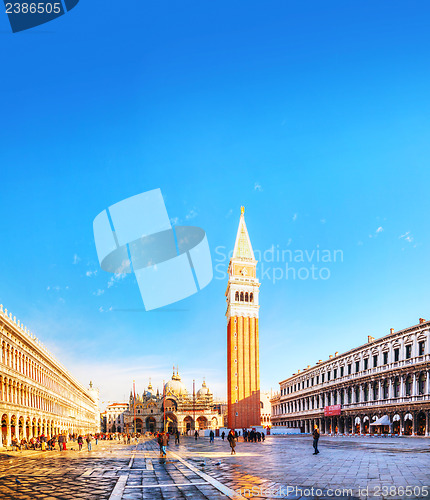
x=242, y=247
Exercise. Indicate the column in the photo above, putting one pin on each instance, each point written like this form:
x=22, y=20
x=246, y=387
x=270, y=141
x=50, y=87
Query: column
x=402, y=387
x=379, y=389
x=427, y=420
x=8, y=432
x=414, y=385
x=427, y=388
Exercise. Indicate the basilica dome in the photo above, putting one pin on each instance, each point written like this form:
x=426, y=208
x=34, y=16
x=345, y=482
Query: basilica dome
x=203, y=391
x=175, y=386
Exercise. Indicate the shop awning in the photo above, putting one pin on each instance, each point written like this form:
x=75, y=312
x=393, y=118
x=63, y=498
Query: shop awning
x=385, y=420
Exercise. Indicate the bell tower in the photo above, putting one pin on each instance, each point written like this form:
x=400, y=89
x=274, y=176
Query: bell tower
x=243, y=364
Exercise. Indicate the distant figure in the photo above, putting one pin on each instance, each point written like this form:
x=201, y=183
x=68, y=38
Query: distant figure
x=60, y=442
x=263, y=437
x=80, y=442
x=196, y=434
x=177, y=437
x=231, y=438
x=316, y=436
x=223, y=435
x=211, y=436
x=89, y=442
x=160, y=441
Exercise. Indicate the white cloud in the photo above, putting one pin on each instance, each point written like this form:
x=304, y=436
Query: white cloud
x=294, y=217
x=191, y=214
x=91, y=273
x=174, y=220
x=257, y=187
x=76, y=258
x=99, y=292
x=323, y=221
x=379, y=230
x=115, y=278
x=407, y=237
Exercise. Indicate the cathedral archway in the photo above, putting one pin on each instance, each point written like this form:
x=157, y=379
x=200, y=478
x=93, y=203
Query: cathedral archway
x=202, y=423
x=188, y=424
x=151, y=424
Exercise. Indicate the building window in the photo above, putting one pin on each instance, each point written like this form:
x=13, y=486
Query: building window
x=385, y=358
x=342, y=369
x=236, y=297
x=357, y=366
x=322, y=378
x=396, y=354
x=334, y=373
x=409, y=386
x=375, y=361
x=366, y=363
x=349, y=369
x=328, y=376
x=308, y=383
x=409, y=351
x=318, y=379
x=421, y=348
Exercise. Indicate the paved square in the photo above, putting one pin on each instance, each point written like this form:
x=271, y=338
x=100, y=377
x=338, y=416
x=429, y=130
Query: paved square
x=281, y=467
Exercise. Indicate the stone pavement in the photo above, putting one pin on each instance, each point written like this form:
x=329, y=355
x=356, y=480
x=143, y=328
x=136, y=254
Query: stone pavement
x=281, y=467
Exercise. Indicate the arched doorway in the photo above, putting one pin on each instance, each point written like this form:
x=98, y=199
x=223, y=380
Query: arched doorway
x=408, y=424
x=396, y=424
x=189, y=424
x=214, y=423
x=27, y=428
x=150, y=424
x=366, y=425
x=4, y=424
x=13, y=426
x=137, y=425
x=357, y=422
x=171, y=423
x=202, y=423
x=421, y=424
x=21, y=427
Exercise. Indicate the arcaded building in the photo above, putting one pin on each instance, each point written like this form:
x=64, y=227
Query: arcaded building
x=37, y=394
x=384, y=382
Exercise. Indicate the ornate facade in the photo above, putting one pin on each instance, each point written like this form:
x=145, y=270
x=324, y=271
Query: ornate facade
x=183, y=411
x=243, y=365
x=387, y=377
x=37, y=394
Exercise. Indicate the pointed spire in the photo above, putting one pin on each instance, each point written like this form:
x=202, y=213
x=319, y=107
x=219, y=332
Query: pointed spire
x=243, y=247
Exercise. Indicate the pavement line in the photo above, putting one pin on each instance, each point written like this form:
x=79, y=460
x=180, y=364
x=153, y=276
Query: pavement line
x=172, y=485
x=216, y=484
x=119, y=488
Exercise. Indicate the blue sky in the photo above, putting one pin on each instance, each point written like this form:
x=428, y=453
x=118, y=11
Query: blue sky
x=315, y=116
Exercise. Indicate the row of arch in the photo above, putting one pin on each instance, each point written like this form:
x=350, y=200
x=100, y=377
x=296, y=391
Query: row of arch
x=150, y=424
x=244, y=297
x=403, y=423
x=408, y=385
x=20, y=427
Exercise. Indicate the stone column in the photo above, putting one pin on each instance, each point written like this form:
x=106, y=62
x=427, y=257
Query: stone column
x=379, y=389
x=427, y=421
x=427, y=387
x=8, y=432
x=414, y=385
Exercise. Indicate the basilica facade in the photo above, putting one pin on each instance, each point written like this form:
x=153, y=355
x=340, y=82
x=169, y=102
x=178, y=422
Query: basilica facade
x=175, y=408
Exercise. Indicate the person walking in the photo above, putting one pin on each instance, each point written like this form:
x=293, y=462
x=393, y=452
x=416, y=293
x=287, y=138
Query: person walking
x=80, y=442
x=164, y=442
x=316, y=436
x=177, y=437
x=231, y=438
x=196, y=434
x=211, y=436
x=60, y=442
x=223, y=435
x=89, y=439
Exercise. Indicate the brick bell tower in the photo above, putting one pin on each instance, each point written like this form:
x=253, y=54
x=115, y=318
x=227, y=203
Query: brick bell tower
x=243, y=363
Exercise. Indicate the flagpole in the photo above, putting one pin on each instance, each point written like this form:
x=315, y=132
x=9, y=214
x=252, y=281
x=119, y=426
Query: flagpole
x=164, y=407
x=134, y=406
